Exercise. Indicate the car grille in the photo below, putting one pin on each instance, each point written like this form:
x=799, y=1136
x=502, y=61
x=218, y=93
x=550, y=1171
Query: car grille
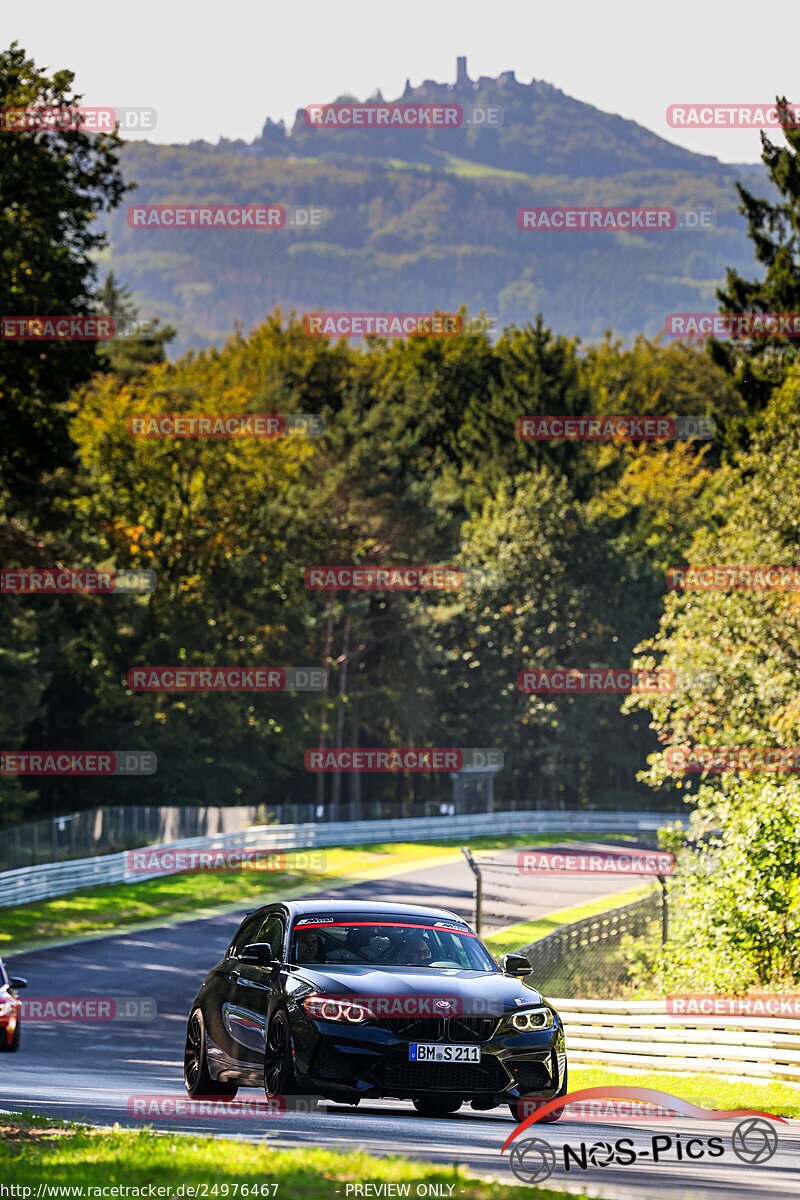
x=416, y=1029
x=561, y=1059
x=438, y=1029
x=487, y=1076
x=471, y=1029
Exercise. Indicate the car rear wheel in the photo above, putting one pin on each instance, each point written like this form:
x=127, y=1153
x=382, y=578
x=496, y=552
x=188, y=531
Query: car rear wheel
x=196, y=1075
x=278, y=1069
x=435, y=1106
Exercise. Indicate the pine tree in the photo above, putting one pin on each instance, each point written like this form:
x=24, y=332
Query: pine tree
x=139, y=343
x=759, y=365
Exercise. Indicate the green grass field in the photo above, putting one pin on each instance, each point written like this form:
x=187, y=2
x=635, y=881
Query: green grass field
x=530, y=931
x=707, y=1091
x=37, y=1150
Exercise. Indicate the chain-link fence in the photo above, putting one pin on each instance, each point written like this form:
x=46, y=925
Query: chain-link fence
x=588, y=957
x=106, y=830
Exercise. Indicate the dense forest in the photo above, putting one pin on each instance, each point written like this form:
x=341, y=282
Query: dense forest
x=565, y=549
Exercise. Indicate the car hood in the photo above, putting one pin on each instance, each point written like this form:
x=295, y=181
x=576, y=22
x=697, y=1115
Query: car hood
x=471, y=990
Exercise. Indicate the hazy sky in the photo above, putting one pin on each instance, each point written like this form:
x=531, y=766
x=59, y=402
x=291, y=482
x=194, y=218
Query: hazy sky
x=218, y=69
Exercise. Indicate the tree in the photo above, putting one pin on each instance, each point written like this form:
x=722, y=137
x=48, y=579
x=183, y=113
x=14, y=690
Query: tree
x=737, y=895
x=53, y=184
x=138, y=343
x=759, y=365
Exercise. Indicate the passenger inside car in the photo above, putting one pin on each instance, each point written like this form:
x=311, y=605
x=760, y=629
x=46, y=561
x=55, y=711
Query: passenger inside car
x=309, y=947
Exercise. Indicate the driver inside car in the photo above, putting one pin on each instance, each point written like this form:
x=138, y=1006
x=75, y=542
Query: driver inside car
x=415, y=951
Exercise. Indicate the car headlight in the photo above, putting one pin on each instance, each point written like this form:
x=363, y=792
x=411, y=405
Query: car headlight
x=330, y=1009
x=533, y=1018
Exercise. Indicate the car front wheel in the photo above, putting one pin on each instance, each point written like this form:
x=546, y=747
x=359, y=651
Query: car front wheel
x=278, y=1069
x=522, y=1108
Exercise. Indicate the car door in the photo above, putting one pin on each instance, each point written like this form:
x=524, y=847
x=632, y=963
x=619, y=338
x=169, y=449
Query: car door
x=220, y=986
x=252, y=987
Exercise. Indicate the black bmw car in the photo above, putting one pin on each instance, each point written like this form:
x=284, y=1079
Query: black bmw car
x=352, y=1000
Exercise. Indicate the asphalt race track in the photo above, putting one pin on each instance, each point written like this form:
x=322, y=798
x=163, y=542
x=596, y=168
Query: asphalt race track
x=91, y=1071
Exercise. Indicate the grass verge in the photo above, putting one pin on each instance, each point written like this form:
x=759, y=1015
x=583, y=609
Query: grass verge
x=708, y=1091
x=511, y=939
x=117, y=906
x=38, y=1150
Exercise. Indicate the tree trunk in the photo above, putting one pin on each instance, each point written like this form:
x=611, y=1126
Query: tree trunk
x=336, y=789
x=326, y=654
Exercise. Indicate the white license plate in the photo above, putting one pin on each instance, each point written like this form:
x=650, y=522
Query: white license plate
x=433, y=1052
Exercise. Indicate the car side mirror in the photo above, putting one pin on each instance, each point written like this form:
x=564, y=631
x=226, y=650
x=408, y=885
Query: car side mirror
x=260, y=954
x=15, y=981
x=515, y=964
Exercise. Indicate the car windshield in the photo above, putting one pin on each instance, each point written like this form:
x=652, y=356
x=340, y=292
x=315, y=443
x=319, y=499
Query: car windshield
x=388, y=942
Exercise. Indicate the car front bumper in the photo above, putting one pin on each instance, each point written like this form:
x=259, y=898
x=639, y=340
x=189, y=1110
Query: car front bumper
x=348, y=1062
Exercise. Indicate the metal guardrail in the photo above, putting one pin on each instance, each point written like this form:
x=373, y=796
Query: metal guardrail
x=642, y=1034
x=551, y=950
x=42, y=882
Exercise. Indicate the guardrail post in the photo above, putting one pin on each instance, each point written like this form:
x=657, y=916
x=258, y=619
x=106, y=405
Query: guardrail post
x=478, y=887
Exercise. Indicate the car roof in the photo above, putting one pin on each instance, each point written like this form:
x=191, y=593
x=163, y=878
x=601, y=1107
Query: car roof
x=368, y=908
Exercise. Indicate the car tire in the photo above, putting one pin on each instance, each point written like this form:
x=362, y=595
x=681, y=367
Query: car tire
x=519, y=1114
x=434, y=1106
x=278, y=1067
x=13, y=1045
x=196, y=1076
